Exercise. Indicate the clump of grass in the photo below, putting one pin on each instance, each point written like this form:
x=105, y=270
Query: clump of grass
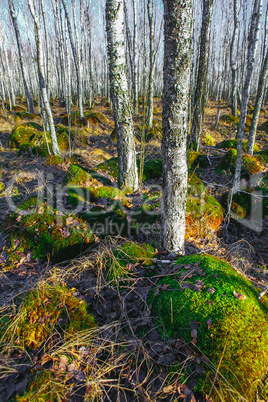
x=43, y=309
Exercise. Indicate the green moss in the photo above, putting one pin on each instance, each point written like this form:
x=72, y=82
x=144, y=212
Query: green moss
x=40, y=151
x=121, y=263
x=77, y=175
x=24, y=115
x=47, y=232
x=231, y=329
x=110, y=166
x=41, y=311
x=22, y=134
x=208, y=140
x=250, y=164
x=54, y=160
x=192, y=156
x=195, y=186
x=227, y=144
x=153, y=169
x=43, y=387
x=2, y=187
x=263, y=156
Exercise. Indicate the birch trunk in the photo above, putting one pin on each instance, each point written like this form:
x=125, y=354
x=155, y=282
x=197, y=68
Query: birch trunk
x=258, y=105
x=178, y=21
x=233, y=61
x=30, y=105
x=150, y=103
x=76, y=61
x=201, y=82
x=252, y=44
x=41, y=74
x=127, y=165
x=135, y=60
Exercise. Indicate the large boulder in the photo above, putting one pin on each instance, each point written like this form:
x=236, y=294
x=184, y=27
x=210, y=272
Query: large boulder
x=209, y=304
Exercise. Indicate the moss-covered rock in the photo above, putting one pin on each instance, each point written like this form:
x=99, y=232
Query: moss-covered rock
x=227, y=144
x=120, y=264
x=230, y=324
x=250, y=164
x=263, y=156
x=77, y=175
x=153, y=169
x=23, y=115
x=110, y=167
x=54, y=160
x=46, y=232
x=25, y=134
x=43, y=309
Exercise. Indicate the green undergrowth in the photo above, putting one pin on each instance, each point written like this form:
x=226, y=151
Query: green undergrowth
x=249, y=200
x=250, y=164
x=232, y=329
x=204, y=214
x=227, y=144
x=77, y=175
x=44, y=309
x=124, y=258
x=46, y=232
x=43, y=387
x=25, y=134
x=263, y=156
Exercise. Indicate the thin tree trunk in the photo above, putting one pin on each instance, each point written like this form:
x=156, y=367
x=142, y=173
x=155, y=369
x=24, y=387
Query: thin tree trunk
x=201, y=83
x=233, y=60
x=252, y=44
x=127, y=165
x=178, y=29
x=76, y=61
x=150, y=103
x=30, y=105
x=135, y=61
x=41, y=74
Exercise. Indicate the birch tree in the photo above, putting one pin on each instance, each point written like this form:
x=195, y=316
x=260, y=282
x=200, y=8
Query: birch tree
x=260, y=95
x=252, y=44
x=233, y=60
x=29, y=99
x=178, y=30
x=201, y=82
x=41, y=75
x=150, y=103
x=127, y=165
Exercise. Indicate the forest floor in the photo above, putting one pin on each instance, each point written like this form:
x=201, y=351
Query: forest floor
x=123, y=357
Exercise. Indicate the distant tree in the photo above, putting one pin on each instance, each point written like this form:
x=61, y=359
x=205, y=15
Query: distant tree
x=233, y=60
x=252, y=44
x=122, y=111
x=29, y=99
x=41, y=75
x=178, y=28
x=150, y=103
x=201, y=81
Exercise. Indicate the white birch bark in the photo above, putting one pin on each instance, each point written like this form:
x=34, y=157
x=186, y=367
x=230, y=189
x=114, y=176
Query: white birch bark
x=252, y=44
x=21, y=58
x=150, y=103
x=233, y=60
x=135, y=60
x=127, y=165
x=41, y=74
x=76, y=61
x=178, y=28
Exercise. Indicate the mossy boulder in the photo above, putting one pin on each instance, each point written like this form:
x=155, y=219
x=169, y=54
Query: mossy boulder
x=77, y=175
x=210, y=303
x=250, y=164
x=110, y=167
x=227, y=144
x=46, y=232
x=42, y=310
x=125, y=257
x=23, y=115
x=54, y=160
x=25, y=134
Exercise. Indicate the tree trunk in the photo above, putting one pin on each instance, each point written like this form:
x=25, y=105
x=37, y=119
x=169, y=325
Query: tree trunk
x=30, y=105
x=127, y=165
x=178, y=22
x=150, y=103
x=233, y=61
x=135, y=61
x=252, y=44
x=201, y=82
x=41, y=74
x=76, y=61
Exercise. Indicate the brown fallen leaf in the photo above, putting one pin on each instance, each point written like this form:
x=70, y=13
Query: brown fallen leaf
x=239, y=296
